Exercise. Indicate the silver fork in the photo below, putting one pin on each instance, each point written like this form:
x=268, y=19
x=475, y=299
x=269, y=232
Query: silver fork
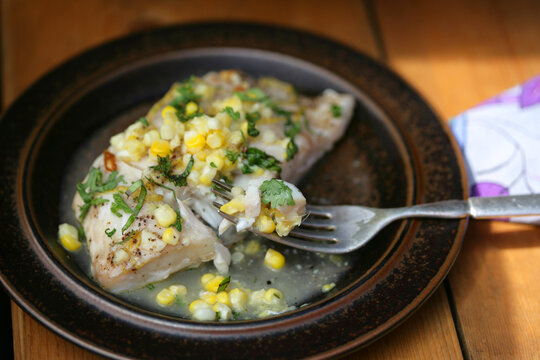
x=342, y=228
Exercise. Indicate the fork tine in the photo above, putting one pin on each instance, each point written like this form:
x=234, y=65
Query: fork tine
x=222, y=184
x=225, y=195
x=313, y=235
x=311, y=222
x=319, y=211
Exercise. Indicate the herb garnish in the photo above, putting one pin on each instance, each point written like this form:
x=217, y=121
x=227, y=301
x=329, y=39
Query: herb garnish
x=184, y=95
x=178, y=223
x=258, y=157
x=223, y=284
x=164, y=167
x=94, y=185
x=276, y=193
x=162, y=186
x=110, y=232
x=212, y=164
x=120, y=204
x=150, y=287
x=232, y=155
x=140, y=200
x=336, y=110
x=143, y=121
x=252, y=118
x=235, y=115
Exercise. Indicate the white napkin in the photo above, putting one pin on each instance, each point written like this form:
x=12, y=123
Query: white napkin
x=500, y=141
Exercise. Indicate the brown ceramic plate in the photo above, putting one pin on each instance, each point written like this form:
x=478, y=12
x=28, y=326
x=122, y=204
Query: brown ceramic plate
x=395, y=152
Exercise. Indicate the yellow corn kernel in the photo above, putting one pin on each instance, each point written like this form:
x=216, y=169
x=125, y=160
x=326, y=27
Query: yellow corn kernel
x=214, y=124
x=223, y=297
x=160, y=148
x=244, y=127
x=169, y=113
x=237, y=191
x=206, y=278
x=117, y=141
x=178, y=290
x=167, y=131
x=135, y=149
x=223, y=312
x=233, y=207
x=235, y=138
x=265, y=224
x=273, y=295
x=191, y=108
x=274, y=259
x=150, y=137
x=170, y=236
x=258, y=171
x=215, y=139
x=213, y=284
x=196, y=142
x=207, y=175
x=252, y=247
x=234, y=102
x=69, y=237
x=197, y=305
x=209, y=297
x=238, y=299
x=165, y=297
x=193, y=178
x=328, y=287
x=216, y=158
x=165, y=215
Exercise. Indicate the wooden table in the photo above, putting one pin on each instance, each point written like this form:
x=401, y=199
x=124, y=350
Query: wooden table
x=456, y=53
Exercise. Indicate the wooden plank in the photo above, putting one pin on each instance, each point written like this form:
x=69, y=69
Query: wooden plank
x=457, y=54
x=35, y=39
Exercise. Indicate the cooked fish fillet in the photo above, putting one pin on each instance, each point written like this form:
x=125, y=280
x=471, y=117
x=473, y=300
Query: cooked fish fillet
x=142, y=227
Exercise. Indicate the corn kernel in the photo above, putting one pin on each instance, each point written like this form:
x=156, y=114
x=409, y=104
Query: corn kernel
x=235, y=138
x=169, y=113
x=198, y=305
x=170, y=236
x=196, y=142
x=238, y=299
x=237, y=191
x=160, y=148
x=117, y=141
x=178, y=290
x=274, y=259
x=206, y=278
x=165, y=215
x=191, y=108
x=69, y=237
x=223, y=312
x=193, y=177
x=216, y=158
x=244, y=127
x=268, y=137
x=213, y=284
x=150, y=137
x=258, y=171
x=252, y=247
x=165, y=297
x=207, y=175
x=209, y=297
x=214, y=124
x=135, y=148
x=223, y=297
x=272, y=295
x=265, y=224
x=328, y=287
x=233, y=207
x=215, y=139
x=167, y=131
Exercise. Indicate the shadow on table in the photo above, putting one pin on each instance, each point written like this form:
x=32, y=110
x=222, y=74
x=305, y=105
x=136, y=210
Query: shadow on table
x=6, y=340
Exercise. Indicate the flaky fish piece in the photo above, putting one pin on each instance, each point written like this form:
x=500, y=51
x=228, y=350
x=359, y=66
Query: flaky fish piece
x=146, y=204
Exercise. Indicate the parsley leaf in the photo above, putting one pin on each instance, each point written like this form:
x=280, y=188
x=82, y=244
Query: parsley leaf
x=140, y=201
x=164, y=167
x=178, y=223
x=110, y=232
x=292, y=149
x=94, y=185
x=183, y=96
x=143, y=121
x=258, y=157
x=276, y=193
x=232, y=155
x=235, y=115
x=150, y=287
x=252, y=118
x=212, y=164
x=253, y=94
x=336, y=110
x=223, y=284
x=119, y=204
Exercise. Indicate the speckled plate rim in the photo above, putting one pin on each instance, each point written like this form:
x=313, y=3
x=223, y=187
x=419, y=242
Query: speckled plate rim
x=235, y=35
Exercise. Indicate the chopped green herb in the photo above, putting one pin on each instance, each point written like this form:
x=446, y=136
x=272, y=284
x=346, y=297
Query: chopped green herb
x=140, y=201
x=246, y=169
x=143, y=121
x=291, y=128
x=80, y=232
x=277, y=295
x=162, y=186
x=336, y=110
x=164, y=167
x=218, y=315
x=119, y=204
x=232, y=155
x=254, y=279
x=94, y=185
x=235, y=115
x=252, y=118
x=235, y=314
x=224, y=283
x=178, y=223
x=213, y=165
x=253, y=94
x=177, y=300
x=110, y=232
x=150, y=287
x=258, y=157
x=127, y=237
x=292, y=149
x=276, y=193
x=136, y=185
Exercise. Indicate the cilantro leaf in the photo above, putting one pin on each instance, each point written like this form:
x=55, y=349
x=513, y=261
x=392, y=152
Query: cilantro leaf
x=178, y=223
x=336, y=110
x=223, y=284
x=109, y=232
x=252, y=118
x=258, y=157
x=164, y=167
x=235, y=115
x=135, y=211
x=232, y=155
x=143, y=121
x=276, y=193
x=253, y=94
x=292, y=149
x=119, y=204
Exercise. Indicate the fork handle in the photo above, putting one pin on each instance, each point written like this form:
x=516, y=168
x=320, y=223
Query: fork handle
x=480, y=207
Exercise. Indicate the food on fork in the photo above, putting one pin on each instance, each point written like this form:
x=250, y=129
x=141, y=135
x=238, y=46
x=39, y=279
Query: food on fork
x=146, y=204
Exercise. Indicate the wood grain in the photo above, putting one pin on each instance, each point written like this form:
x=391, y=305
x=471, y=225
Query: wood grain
x=457, y=55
